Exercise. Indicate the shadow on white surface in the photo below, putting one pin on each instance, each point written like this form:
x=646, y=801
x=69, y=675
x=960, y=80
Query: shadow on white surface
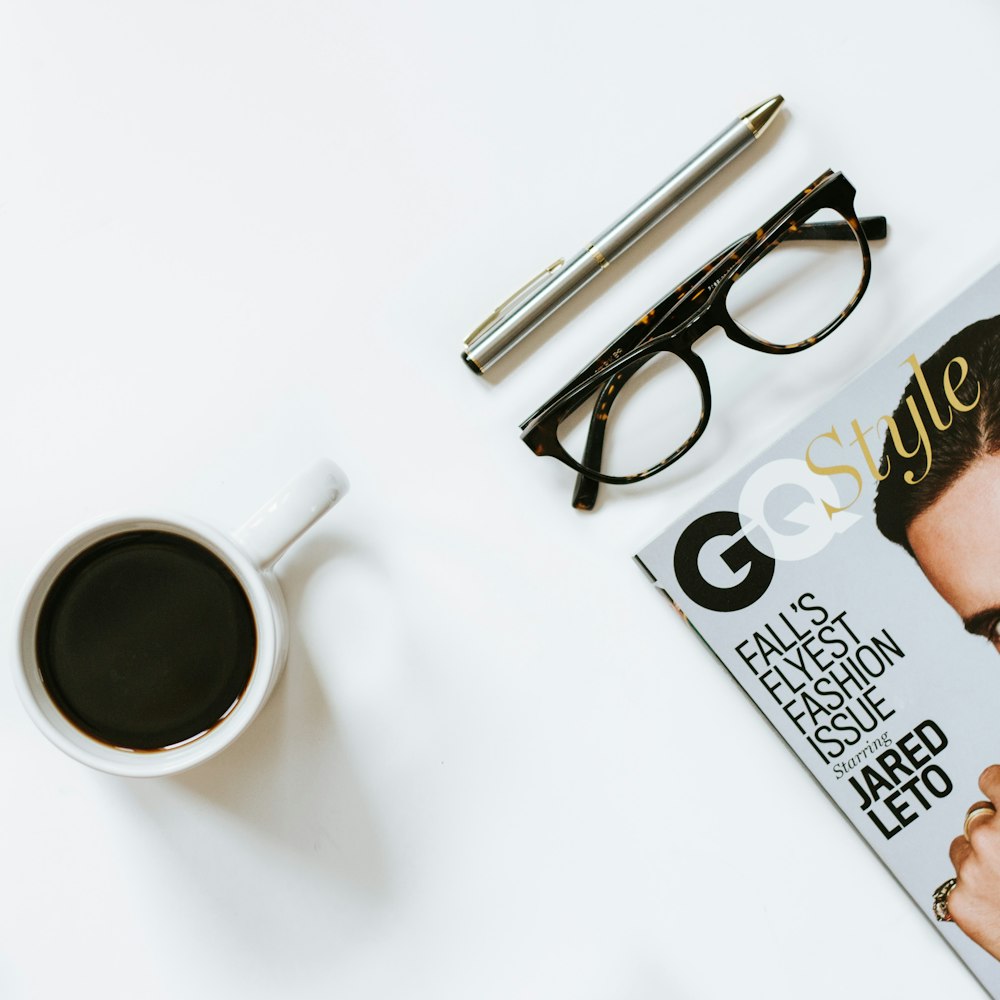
x=288, y=784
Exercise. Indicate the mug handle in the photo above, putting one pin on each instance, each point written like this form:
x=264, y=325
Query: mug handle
x=267, y=534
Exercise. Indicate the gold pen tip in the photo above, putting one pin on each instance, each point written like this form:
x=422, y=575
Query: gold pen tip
x=757, y=119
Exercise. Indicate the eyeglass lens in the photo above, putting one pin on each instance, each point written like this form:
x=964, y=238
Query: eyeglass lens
x=797, y=289
x=648, y=417
x=790, y=295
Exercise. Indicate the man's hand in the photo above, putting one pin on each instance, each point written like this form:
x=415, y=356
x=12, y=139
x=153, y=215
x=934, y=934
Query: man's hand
x=974, y=903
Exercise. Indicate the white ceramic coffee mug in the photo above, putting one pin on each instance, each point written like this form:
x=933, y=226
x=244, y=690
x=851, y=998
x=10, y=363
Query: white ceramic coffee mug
x=249, y=553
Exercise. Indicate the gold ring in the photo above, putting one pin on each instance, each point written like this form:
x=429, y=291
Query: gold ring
x=940, y=902
x=976, y=810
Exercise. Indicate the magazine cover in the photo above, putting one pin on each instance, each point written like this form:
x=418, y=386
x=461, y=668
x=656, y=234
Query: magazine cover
x=849, y=579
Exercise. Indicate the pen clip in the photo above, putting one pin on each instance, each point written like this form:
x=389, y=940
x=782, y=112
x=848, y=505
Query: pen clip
x=512, y=301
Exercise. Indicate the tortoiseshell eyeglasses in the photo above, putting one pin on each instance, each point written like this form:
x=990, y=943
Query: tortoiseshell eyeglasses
x=780, y=290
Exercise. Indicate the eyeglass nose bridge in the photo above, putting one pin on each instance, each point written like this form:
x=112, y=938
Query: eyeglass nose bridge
x=714, y=317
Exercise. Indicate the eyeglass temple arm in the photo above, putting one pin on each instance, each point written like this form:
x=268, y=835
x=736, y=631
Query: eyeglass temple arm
x=586, y=489
x=874, y=227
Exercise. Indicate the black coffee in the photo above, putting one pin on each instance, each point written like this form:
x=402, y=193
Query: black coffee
x=146, y=640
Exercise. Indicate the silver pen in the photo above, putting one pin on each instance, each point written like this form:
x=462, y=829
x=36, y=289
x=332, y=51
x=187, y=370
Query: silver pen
x=516, y=317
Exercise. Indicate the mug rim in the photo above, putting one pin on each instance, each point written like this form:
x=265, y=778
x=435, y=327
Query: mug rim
x=267, y=607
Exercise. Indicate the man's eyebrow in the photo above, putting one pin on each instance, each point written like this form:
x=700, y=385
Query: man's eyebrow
x=979, y=623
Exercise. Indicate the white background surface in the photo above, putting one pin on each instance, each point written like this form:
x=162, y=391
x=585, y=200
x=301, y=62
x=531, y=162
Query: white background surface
x=235, y=236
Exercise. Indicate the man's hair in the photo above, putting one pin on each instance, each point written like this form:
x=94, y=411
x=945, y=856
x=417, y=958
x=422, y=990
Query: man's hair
x=972, y=434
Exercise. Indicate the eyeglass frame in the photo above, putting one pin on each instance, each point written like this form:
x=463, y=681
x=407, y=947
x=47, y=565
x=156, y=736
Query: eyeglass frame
x=630, y=350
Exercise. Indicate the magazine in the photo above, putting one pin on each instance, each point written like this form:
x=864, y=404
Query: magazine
x=849, y=580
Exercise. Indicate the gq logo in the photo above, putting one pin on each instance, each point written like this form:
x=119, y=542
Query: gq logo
x=718, y=561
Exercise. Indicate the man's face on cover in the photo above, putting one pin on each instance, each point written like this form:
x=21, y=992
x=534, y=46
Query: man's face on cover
x=957, y=543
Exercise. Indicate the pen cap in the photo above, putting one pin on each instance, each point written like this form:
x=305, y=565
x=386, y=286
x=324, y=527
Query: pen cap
x=513, y=321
